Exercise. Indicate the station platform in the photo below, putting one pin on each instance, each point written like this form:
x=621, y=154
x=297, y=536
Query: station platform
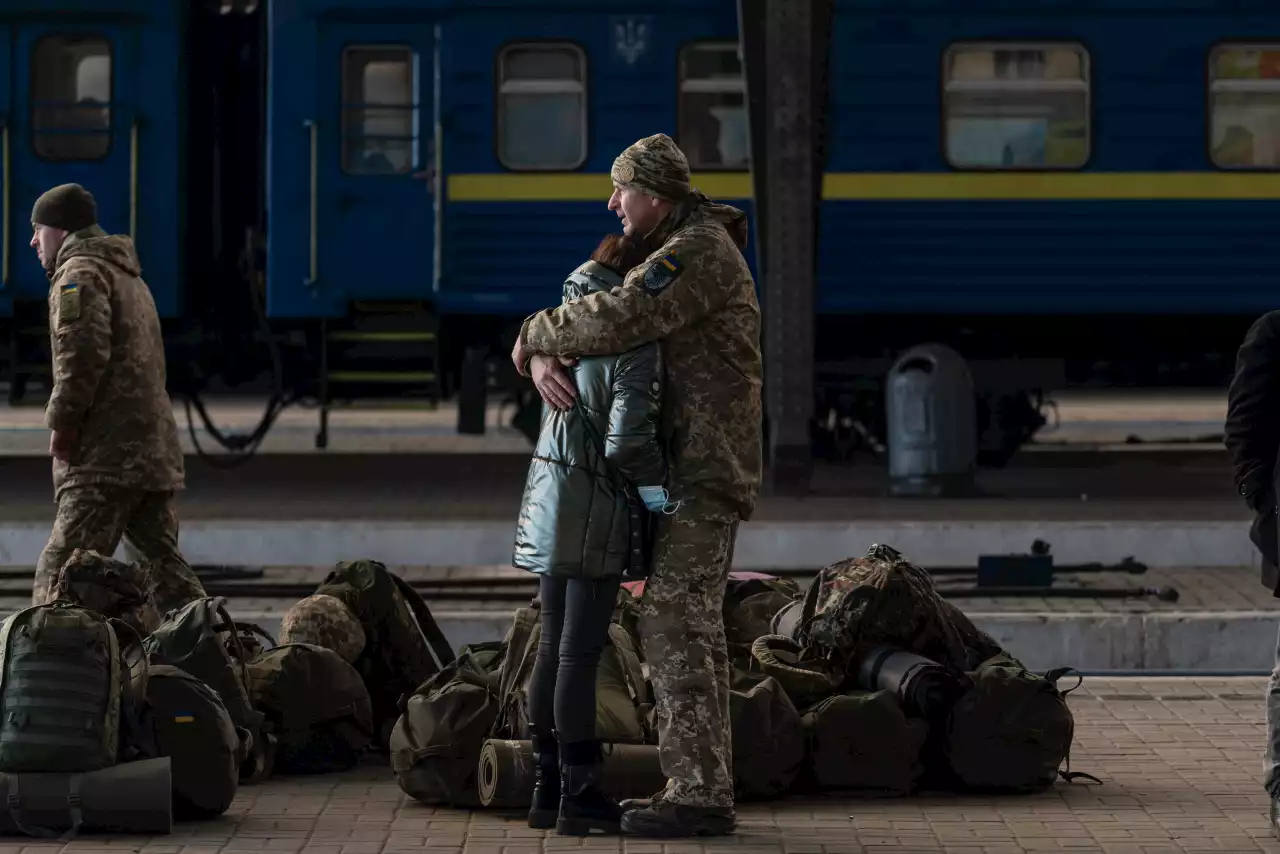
x=1167, y=504
x=1179, y=761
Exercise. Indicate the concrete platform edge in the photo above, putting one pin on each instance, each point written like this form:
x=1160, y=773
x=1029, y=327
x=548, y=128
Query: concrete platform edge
x=761, y=545
x=1241, y=642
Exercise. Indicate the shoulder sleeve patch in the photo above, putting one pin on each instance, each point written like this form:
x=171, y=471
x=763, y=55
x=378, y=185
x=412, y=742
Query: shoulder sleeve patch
x=69, y=302
x=661, y=273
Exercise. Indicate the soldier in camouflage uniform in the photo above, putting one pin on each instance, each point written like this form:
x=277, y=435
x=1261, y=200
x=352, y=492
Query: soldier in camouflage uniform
x=694, y=293
x=117, y=461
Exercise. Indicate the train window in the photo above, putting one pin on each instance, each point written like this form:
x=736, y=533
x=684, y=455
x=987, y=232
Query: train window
x=1244, y=106
x=379, y=110
x=71, y=98
x=542, y=106
x=711, y=114
x=1009, y=106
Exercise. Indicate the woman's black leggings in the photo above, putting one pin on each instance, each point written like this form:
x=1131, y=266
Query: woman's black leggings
x=575, y=626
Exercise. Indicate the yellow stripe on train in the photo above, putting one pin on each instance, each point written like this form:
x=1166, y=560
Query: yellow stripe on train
x=888, y=186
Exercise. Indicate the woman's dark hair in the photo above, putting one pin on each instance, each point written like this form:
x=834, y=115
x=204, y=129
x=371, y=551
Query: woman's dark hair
x=619, y=253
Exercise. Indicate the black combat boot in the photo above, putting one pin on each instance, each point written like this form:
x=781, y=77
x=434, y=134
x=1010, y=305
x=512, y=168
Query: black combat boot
x=546, y=787
x=658, y=818
x=584, y=805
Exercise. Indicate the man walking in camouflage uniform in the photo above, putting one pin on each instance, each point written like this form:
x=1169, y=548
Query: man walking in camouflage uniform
x=114, y=441
x=696, y=295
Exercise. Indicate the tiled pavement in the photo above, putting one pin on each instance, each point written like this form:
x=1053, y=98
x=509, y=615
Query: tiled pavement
x=1179, y=760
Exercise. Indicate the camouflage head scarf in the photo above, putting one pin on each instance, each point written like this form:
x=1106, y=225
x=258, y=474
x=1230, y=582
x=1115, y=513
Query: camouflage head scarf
x=654, y=165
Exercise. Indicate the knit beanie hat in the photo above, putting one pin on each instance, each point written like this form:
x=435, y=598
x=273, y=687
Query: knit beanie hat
x=69, y=207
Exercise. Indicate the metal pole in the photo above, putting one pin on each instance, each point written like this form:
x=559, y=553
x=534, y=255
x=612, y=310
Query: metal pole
x=785, y=46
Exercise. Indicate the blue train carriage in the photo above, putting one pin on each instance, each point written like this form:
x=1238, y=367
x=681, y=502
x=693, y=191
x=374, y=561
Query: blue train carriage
x=89, y=92
x=436, y=169
x=1091, y=185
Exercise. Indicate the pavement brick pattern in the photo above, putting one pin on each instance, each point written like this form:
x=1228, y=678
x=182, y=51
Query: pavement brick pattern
x=1179, y=759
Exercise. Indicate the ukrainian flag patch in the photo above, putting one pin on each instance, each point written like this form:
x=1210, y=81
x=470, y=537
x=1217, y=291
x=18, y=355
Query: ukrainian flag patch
x=69, y=302
x=662, y=273
x=184, y=719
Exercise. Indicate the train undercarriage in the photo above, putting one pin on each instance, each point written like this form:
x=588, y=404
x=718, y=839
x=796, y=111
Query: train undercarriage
x=403, y=355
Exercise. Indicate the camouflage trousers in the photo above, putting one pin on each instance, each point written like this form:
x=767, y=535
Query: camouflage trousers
x=97, y=517
x=682, y=632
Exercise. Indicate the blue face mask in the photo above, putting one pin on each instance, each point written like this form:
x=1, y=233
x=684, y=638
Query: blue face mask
x=657, y=499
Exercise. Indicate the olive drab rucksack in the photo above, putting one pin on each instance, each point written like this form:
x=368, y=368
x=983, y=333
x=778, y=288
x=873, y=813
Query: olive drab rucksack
x=435, y=745
x=404, y=646
x=750, y=602
x=1012, y=731
x=317, y=704
x=768, y=739
x=191, y=726
x=620, y=683
x=61, y=687
x=195, y=638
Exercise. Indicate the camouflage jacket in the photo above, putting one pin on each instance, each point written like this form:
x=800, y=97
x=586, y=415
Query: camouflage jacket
x=695, y=293
x=109, y=369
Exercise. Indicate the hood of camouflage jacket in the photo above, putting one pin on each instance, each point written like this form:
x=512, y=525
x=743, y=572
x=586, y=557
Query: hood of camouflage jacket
x=696, y=207
x=116, y=249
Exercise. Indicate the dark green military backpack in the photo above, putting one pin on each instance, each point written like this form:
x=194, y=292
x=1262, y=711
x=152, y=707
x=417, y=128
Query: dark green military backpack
x=436, y=743
x=863, y=741
x=1012, y=731
x=61, y=688
x=318, y=707
x=195, y=638
x=403, y=644
x=193, y=728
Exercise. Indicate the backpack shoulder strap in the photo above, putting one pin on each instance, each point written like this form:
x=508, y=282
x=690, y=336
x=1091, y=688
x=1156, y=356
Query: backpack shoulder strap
x=439, y=644
x=521, y=644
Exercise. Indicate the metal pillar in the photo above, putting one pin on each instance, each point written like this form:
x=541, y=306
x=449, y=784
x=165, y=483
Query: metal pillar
x=785, y=51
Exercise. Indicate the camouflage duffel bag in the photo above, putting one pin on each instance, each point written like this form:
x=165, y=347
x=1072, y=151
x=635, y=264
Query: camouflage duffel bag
x=863, y=741
x=110, y=588
x=1012, y=731
x=317, y=704
x=883, y=599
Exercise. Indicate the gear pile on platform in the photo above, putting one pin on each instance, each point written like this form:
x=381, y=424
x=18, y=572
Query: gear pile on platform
x=867, y=682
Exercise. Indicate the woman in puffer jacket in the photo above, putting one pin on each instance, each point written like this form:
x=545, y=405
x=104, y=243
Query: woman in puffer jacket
x=583, y=527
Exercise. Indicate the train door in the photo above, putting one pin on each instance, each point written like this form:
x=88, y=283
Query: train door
x=68, y=117
x=376, y=214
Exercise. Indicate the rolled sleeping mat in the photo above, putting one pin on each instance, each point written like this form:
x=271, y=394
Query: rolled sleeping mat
x=133, y=797
x=786, y=621
x=805, y=683
x=505, y=777
x=924, y=686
